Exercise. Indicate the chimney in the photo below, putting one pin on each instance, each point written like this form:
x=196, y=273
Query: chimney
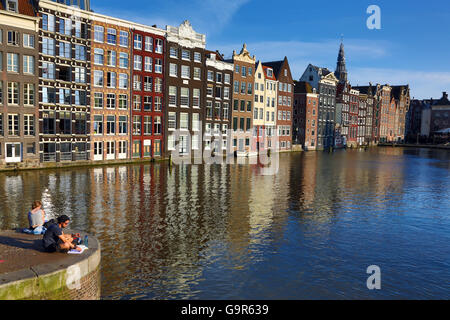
x=445, y=95
x=154, y=26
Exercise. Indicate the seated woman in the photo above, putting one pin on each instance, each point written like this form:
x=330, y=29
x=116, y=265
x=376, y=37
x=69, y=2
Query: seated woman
x=36, y=218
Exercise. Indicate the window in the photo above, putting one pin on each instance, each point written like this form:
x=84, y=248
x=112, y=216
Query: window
x=28, y=125
x=227, y=78
x=65, y=50
x=13, y=93
x=210, y=76
x=48, y=95
x=110, y=125
x=184, y=97
x=80, y=52
x=123, y=121
x=1, y=95
x=98, y=56
x=137, y=102
x=65, y=121
x=249, y=88
x=173, y=52
x=13, y=62
x=48, y=122
x=110, y=101
x=48, y=22
x=123, y=101
x=185, y=55
x=195, y=122
x=148, y=84
x=244, y=71
x=250, y=71
x=158, y=65
x=137, y=83
x=123, y=40
x=196, y=98
x=80, y=75
x=137, y=63
x=28, y=64
x=158, y=85
x=65, y=96
x=159, y=46
x=28, y=40
x=98, y=100
x=136, y=125
x=173, y=70
x=184, y=121
x=197, y=73
x=111, y=79
x=138, y=41
x=148, y=64
x=48, y=46
x=12, y=5
x=236, y=87
x=111, y=58
x=172, y=96
x=98, y=124
x=172, y=121
x=111, y=36
x=65, y=26
x=185, y=72
x=149, y=44
x=148, y=103
x=243, y=87
x=123, y=60
x=147, y=125
x=197, y=57
x=158, y=103
x=13, y=125
x=123, y=81
x=99, y=32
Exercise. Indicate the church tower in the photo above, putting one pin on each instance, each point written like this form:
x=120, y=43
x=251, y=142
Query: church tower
x=341, y=70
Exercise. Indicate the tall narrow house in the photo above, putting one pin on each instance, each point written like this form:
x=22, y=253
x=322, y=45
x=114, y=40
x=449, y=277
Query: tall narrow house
x=285, y=95
x=242, y=114
x=185, y=101
x=110, y=83
x=64, y=82
x=19, y=80
x=148, y=92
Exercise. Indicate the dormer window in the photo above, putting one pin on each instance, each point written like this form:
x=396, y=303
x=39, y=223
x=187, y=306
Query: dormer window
x=12, y=5
x=269, y=72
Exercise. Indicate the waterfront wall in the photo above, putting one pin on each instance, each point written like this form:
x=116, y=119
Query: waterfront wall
x=74, y=277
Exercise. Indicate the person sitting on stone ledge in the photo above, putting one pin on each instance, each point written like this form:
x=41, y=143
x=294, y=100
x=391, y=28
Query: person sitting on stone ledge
x=36, y=218
x=54, y=238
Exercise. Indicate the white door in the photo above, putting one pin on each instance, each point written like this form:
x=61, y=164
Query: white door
x=13, y=152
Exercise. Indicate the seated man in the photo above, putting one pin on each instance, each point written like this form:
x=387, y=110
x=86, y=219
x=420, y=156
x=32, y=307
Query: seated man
x=54, y=238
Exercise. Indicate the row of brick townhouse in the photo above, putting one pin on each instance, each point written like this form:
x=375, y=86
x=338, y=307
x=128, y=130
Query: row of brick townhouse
x=79, y=86
x=347, y=116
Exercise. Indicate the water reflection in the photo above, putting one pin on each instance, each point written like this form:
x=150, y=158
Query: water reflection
x=227, y=232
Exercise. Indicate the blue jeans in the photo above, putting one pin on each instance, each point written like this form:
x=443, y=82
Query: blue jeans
x=39, y=230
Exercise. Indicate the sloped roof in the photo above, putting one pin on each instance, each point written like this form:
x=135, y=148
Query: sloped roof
x=265, y=68
x=302, y=87
x=26, y=7
x=396, y=91
x=368, y=90
x=275, y=65
x=443, y=101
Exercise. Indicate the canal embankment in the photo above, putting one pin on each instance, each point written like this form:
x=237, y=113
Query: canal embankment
x=27, y=272
x=429, y=146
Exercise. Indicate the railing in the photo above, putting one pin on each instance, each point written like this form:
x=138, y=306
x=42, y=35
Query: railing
x=50, y=157
x=79, y=156
x=65, y=156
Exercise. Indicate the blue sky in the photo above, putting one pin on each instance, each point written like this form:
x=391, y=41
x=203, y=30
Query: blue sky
x=412, y=47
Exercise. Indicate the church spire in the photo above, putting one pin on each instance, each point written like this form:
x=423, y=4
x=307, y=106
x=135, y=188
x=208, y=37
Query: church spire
x=341, y=70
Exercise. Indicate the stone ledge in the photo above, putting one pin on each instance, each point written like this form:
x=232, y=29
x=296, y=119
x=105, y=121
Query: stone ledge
x=27, y=272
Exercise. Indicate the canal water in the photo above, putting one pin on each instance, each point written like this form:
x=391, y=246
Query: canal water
x=228, y=232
